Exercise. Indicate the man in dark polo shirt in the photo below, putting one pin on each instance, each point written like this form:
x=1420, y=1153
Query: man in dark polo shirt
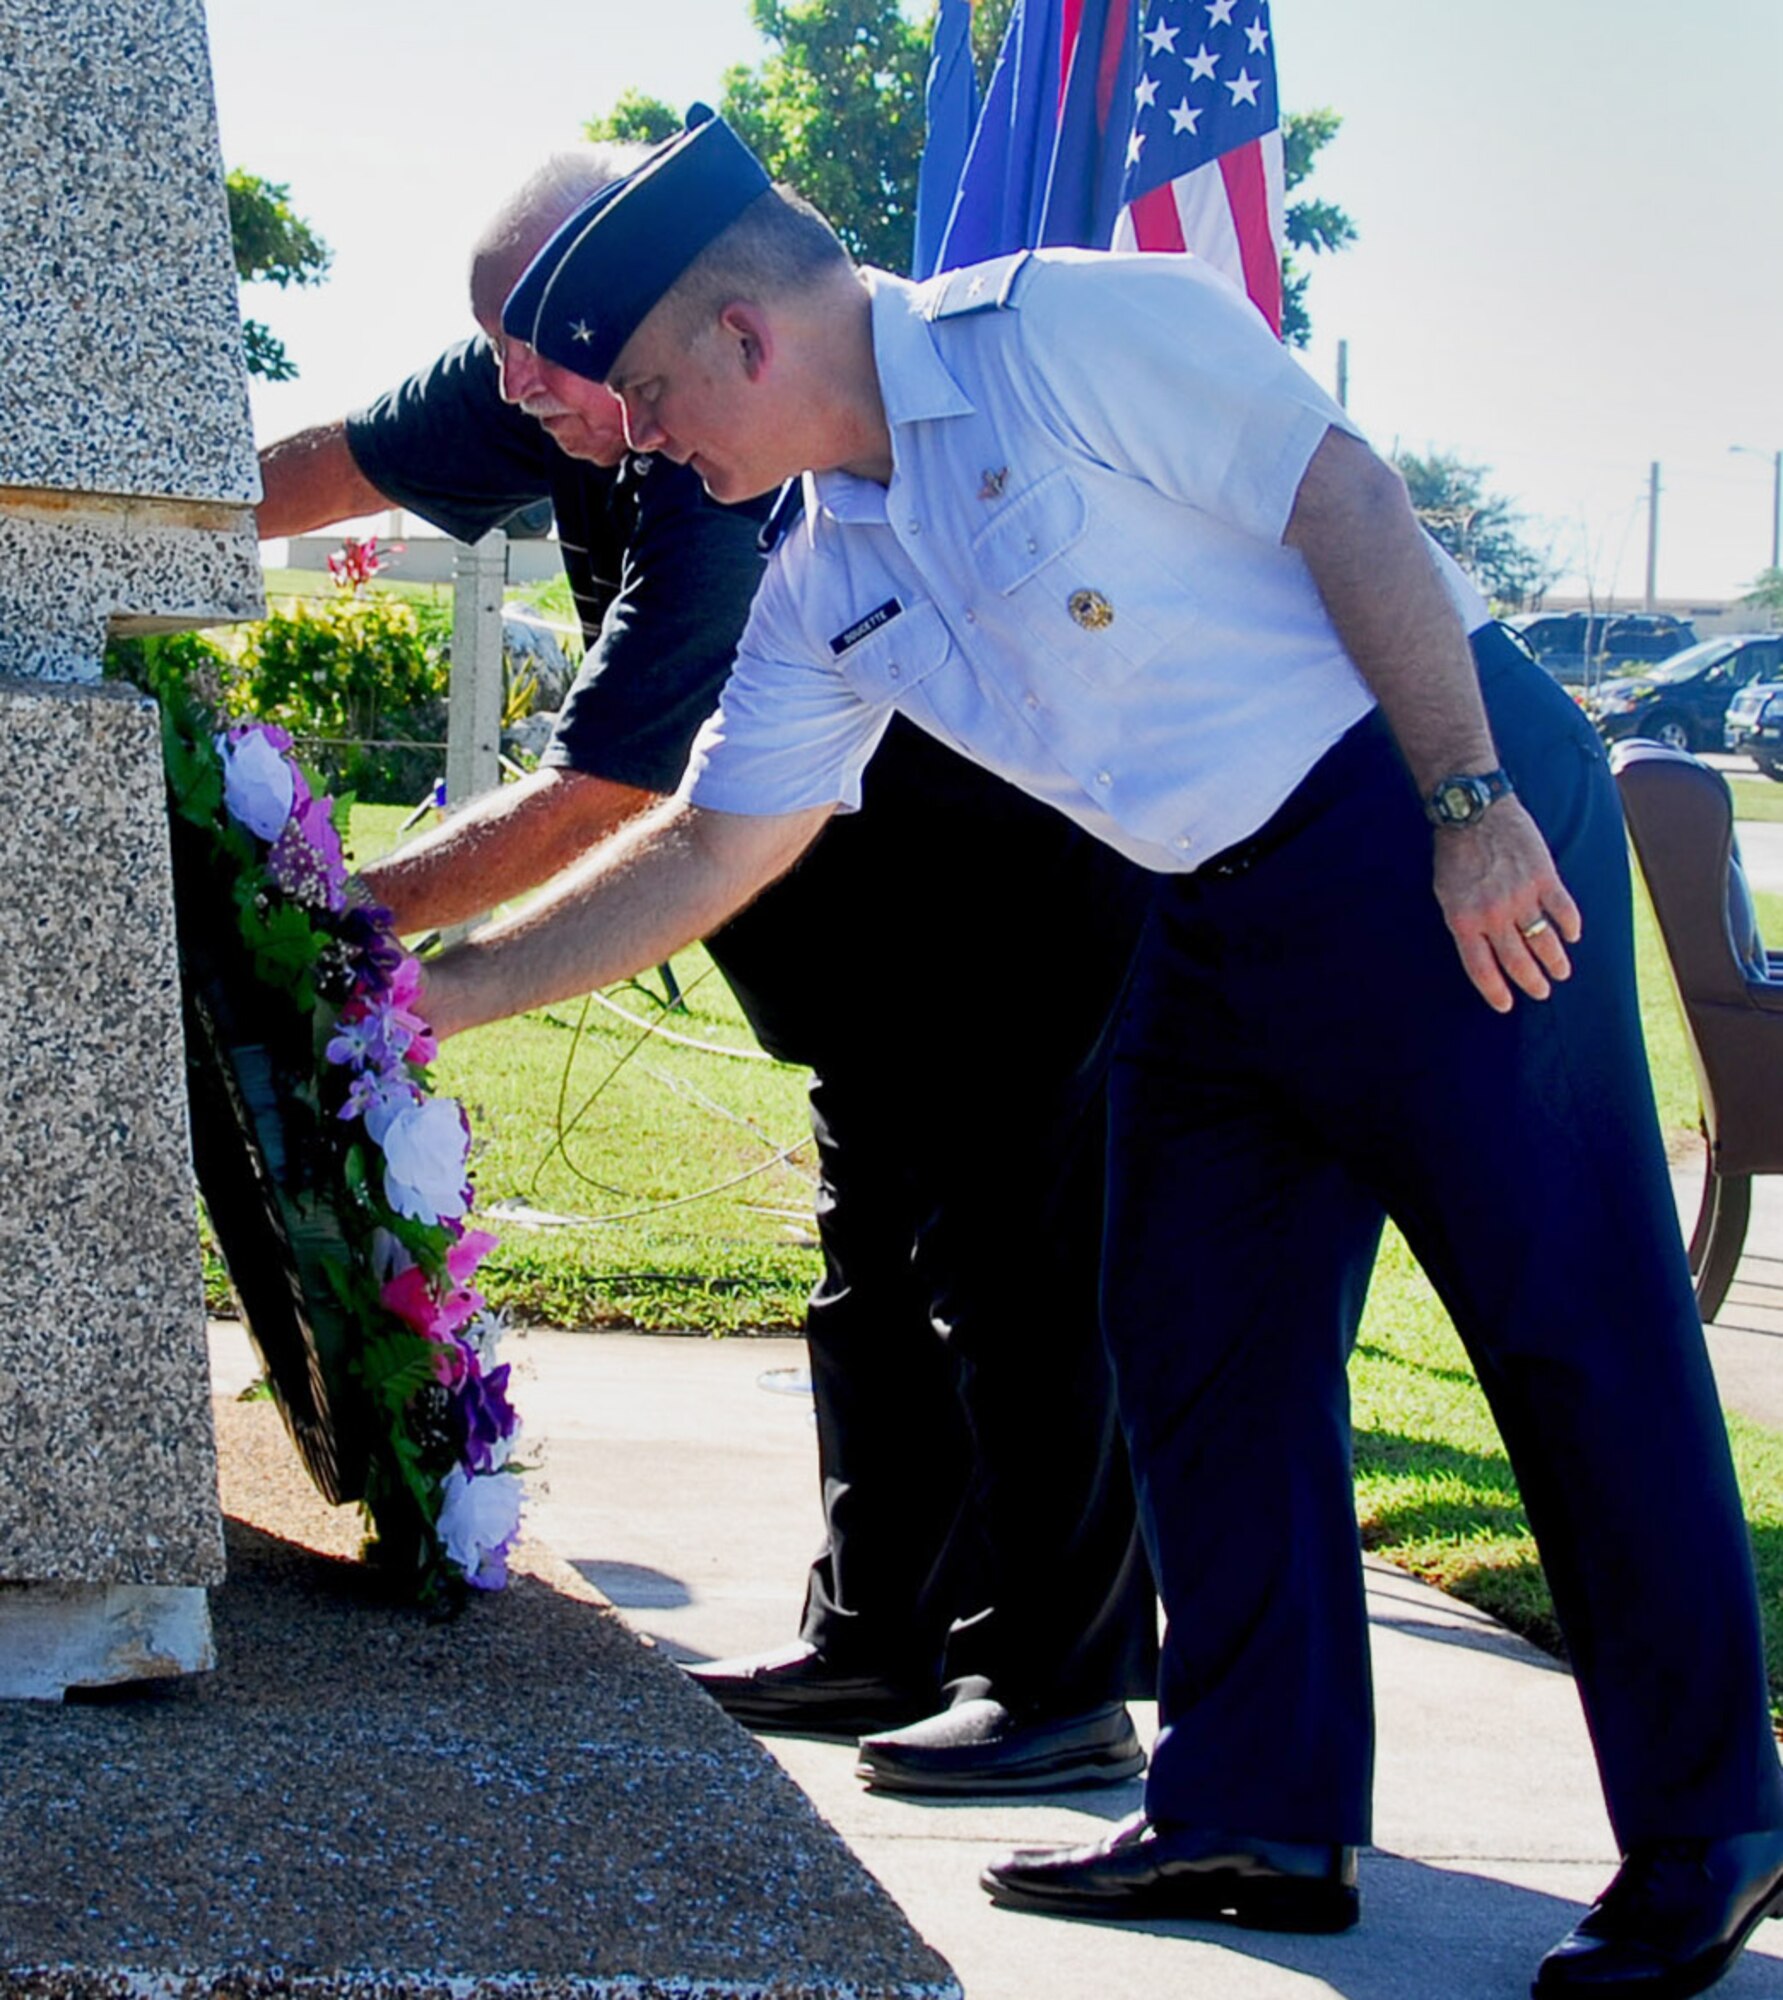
x=981, y=1599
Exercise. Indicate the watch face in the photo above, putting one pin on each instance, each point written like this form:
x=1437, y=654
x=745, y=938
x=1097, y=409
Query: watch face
x=1458, y=801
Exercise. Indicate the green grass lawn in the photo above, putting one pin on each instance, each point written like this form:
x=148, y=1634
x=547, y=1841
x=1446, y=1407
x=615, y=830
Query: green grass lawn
x=578, y=1113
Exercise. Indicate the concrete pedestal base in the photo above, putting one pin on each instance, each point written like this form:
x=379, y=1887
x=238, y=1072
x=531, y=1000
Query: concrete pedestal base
x=54, y=1637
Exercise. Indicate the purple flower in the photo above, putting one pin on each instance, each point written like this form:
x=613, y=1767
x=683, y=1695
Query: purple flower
x=306, y=861
x=367, y=933
x=380, y=1099
x=487, y=1416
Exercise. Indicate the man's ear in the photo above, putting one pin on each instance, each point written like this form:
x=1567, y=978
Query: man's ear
x=747, y=326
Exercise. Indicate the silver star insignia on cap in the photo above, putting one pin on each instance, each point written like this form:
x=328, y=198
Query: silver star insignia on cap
x=582, y=331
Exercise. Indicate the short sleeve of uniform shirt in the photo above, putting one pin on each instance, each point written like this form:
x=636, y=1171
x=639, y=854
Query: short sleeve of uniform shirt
x=662, y=575
x=1152, y=366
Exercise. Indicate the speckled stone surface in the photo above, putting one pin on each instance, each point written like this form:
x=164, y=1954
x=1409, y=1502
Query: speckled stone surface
x=107, y=1460
x=359, y=1803
x=121, y=366
x=69, y=573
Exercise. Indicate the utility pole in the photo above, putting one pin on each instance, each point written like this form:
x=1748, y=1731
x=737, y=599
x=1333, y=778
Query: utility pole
x=1343, y=387
x=1652, y=602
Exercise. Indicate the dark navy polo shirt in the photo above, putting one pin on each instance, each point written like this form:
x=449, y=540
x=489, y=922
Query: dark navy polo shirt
x=662, y=576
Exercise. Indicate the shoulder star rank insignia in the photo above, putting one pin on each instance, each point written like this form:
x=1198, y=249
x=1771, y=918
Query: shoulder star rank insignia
x=994, y=482
x=582, y=331
x=1091, y=610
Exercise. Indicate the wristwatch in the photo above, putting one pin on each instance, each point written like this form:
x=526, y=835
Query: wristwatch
x=1462, y=798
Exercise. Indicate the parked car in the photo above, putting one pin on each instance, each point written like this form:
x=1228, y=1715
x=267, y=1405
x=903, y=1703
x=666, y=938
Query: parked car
x=1576, y=646
x=1754, y=722
x=1684, y=701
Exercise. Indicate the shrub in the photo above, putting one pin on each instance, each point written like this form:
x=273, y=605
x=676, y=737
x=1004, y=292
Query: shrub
x=358, y=682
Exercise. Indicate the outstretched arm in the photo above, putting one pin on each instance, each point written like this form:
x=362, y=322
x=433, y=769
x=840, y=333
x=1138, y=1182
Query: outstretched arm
x=499, y=846
x=1354, y=525
x=312, y=479
x=659, y=883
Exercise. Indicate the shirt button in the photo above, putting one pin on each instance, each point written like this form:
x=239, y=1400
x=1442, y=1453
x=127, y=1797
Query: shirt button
x=1104, y=778
x=1182, y=842
x=1033, y=546
x=915, y=526
x=895, y=670
x=1030, y=701
x=971, y=617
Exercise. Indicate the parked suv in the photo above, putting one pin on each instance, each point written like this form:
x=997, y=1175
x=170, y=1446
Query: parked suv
x=1684, y=700
x=1575, y=646
x=1754, y=722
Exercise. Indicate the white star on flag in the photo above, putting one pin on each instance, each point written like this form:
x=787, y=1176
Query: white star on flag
x=1210, y=180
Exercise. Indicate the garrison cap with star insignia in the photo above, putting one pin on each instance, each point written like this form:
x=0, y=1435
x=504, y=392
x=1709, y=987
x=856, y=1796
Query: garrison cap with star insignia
x=593, y=284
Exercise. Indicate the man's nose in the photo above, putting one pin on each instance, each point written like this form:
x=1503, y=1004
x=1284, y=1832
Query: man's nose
x=642, y=431
x=519, y=371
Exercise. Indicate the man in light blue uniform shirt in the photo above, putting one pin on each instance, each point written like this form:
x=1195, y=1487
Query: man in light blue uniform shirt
x=1081, y=517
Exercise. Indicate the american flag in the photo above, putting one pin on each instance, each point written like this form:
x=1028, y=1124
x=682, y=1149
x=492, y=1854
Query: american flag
x=1204, y=160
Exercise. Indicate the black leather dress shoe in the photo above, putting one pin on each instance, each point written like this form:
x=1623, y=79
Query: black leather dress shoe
x=796, y=1691
x=1152, y=1871
x=1672, y=1922
x=978, y=1746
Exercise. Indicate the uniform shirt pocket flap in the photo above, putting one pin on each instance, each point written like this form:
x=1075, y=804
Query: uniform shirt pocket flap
x=1033, y=529
x=898, y=656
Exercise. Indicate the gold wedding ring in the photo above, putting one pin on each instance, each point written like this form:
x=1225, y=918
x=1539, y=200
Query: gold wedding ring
x=1530, y=932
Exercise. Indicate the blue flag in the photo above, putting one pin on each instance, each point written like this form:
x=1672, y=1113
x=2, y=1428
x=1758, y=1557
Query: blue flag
x=1047, y=160
x=951, y=107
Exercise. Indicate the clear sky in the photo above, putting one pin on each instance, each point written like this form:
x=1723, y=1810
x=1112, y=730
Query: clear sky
x=1571, y=217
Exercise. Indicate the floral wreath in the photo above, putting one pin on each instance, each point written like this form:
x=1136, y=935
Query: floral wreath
x=441, y=1496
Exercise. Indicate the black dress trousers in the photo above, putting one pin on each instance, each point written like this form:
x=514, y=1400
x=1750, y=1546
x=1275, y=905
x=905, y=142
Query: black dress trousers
x=947, y=961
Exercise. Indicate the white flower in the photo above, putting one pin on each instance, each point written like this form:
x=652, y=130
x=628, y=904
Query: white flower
x=258, y=787
x=478, y=1519
x=426, y=1151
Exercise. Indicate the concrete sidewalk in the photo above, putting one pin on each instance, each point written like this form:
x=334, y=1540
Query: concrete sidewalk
x=677, y=1476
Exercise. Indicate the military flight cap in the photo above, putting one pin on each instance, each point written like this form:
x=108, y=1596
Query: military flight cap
x=593, y=284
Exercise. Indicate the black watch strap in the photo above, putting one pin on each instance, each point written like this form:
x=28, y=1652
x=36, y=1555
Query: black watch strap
x=1462, y=797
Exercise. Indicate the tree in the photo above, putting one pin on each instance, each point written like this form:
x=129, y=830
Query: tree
x=1479, y=529
x=837, y=112
x=1766, y=593
x=1314, y=226
x=273, y=245
x=638, y=117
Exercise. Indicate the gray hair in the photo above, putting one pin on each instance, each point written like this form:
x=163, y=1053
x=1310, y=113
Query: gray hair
x=553, y=191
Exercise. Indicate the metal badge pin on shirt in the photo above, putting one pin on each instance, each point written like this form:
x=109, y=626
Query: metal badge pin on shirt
x=994, y=482
x=1091, y=610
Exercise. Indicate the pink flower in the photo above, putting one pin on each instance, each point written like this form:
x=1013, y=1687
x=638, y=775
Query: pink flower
x=434, y=1314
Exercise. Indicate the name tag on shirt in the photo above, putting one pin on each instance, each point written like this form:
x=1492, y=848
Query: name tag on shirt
x=864, y=628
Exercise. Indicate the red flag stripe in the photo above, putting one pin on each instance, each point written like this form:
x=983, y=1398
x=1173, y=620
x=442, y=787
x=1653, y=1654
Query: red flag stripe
x=1248, y=192
x=1071, y=25
x=1156, y=224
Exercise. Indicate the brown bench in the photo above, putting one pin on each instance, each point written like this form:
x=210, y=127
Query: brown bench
x=1680, y=821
